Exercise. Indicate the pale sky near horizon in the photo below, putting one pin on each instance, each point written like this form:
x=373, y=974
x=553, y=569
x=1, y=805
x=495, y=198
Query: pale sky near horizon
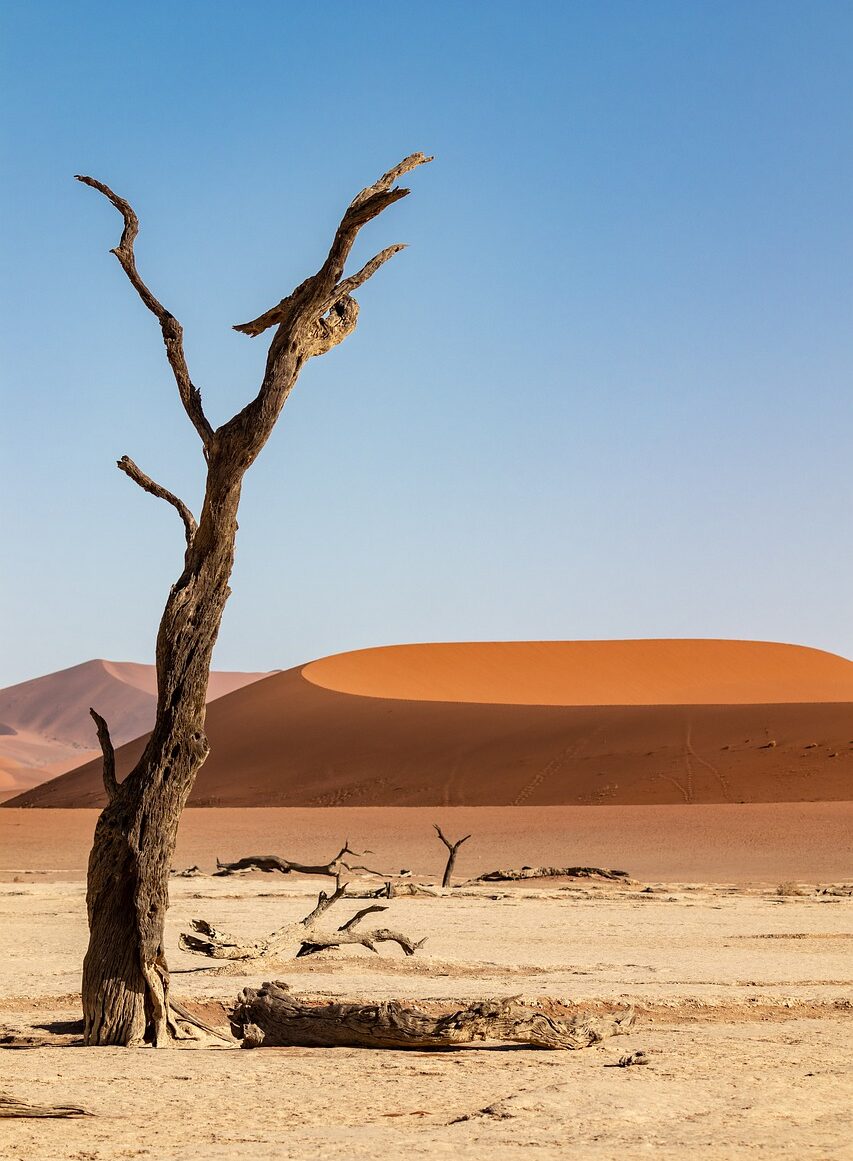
x=606, y=392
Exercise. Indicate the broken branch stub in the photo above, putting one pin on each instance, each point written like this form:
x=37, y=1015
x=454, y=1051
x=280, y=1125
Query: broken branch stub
x=272, y=1016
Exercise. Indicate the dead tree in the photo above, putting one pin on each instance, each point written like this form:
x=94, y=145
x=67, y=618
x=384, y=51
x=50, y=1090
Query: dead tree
x=452, y=848
x=125, y=977
x=274, y=1017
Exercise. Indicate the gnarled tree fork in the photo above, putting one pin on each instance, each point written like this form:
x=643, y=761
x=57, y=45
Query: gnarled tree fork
x=452, y=849
x=125, y=976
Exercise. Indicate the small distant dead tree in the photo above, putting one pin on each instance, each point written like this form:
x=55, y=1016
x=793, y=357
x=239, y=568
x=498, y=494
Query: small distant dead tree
x=125, y=977
x=452, y=848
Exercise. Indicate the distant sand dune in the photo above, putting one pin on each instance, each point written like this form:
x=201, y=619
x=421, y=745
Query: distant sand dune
x=414, y=726
x=45, y=726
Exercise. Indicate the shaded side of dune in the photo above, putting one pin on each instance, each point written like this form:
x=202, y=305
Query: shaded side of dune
x=289, y=742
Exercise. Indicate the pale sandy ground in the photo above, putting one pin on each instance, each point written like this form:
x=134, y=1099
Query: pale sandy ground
x=744, y=997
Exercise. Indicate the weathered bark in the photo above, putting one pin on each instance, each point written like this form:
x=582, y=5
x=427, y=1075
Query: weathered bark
x=125, y=976
x=452, y=848
x=273, y=1017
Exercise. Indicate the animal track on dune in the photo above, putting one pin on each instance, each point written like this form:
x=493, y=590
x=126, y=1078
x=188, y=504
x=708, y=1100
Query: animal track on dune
x=550, y=768
x=715, y=771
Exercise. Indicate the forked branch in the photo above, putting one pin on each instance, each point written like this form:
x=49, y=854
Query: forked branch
x=315, y=317
x=318, y=294
x=173, y=335
x=452, y=848
x=295, y=939
x=108, y=750
x=126, y=465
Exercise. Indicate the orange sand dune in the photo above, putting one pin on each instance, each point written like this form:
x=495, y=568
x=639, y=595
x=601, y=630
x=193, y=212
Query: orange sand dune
x=654, y=672
x=45, y=727
x=290, y=741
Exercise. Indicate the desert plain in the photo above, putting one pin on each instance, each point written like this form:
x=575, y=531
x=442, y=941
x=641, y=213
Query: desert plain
x=743, y=996
x=718, y=779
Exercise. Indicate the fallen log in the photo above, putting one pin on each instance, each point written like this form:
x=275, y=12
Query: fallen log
x=271, y=1016
x=511, y=875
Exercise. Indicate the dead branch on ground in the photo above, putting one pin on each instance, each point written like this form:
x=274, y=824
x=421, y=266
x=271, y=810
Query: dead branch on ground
x=295, y=939
x=334, y=869
x=511, y=875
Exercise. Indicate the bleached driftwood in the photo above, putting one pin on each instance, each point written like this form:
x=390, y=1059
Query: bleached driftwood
x=296, y=939
x=272, y=1016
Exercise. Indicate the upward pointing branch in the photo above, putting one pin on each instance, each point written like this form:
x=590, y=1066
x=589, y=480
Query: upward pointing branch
x=319, y=293
x=316, y=316
x=110, y=784
x=126, y=465
x=173, y=335
x=452, y=848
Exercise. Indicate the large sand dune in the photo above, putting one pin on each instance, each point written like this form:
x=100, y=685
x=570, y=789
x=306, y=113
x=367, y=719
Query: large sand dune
x=45, y=726
x=649, y=722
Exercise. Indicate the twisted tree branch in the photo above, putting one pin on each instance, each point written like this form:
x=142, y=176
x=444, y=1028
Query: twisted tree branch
x=107, y=749
x=173, y=335
x=126, y=465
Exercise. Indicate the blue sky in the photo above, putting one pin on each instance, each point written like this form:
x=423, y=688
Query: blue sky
x=606, y=392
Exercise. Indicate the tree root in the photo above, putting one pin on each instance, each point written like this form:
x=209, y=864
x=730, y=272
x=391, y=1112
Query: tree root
x=272, y=1017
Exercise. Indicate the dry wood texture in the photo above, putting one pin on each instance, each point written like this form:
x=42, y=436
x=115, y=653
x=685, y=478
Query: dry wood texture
x=271, y=1016
x=125, y=976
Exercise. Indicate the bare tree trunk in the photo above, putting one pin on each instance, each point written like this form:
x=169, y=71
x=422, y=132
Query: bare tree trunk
x=452, y=848
x=125, y=976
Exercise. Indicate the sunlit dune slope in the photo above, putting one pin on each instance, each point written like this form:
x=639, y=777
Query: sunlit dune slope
x=290, y=740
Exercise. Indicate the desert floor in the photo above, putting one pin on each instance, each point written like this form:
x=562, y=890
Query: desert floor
x=743, y=995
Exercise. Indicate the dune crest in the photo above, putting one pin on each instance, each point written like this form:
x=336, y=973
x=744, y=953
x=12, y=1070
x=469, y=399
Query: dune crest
x=643, y=672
